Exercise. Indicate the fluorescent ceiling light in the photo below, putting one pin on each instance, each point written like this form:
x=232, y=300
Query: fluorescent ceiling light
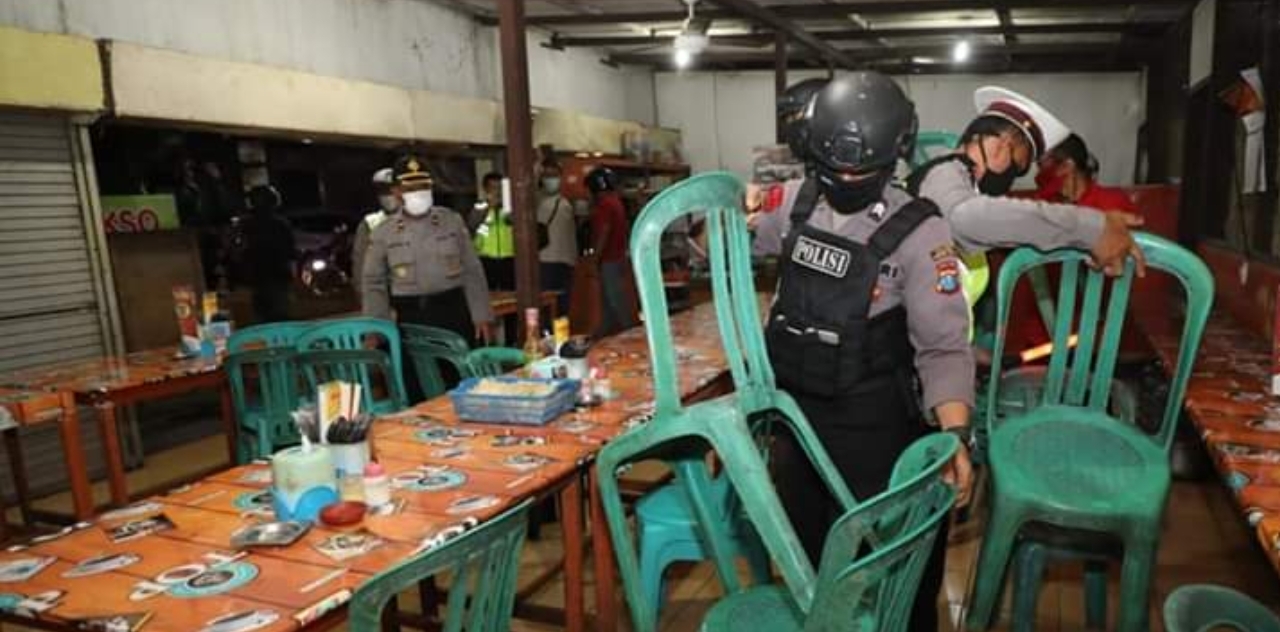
x=960, y=53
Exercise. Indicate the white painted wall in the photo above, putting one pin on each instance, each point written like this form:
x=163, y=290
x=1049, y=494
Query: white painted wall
x=724, y=115
x=574, y=79
x=416, y=44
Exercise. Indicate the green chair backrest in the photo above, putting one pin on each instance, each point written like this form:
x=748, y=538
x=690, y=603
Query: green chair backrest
x=719, y=196
x=493, y=361
x=1083, y=376
x=1207, y=608
x=875, y=555
x=427, y=347
x=738, y=315
x=268, y=378
x=930, y=144
x=356, y=366
x=351, y=333
x=283, y=334
x=482, y=565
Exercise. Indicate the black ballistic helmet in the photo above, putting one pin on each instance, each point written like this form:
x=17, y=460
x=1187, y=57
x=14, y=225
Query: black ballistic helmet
x=602, y=179
x=861, y=123
x=791, y=109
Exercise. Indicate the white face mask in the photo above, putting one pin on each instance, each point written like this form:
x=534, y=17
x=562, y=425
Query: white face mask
x=388, y=203
x=418, y=202
x=551, y=185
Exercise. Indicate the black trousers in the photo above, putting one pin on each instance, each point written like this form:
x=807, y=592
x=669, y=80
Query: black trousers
x=558, y=277
x=446, y=310
x=501, y=273
x=864, y=433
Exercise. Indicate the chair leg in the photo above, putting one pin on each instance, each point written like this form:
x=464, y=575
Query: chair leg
x=18, y=467
x=695, y=480
x=1028, y=573
x=1095, y=595
x=651, y=567
x=1135, y=584
x=757, y=557
x=993, y=560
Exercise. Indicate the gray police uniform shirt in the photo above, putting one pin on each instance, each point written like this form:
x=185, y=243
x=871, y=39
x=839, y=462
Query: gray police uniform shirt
x=982, y=222
x=416, y=256
x=913, y=277
x=360, y=244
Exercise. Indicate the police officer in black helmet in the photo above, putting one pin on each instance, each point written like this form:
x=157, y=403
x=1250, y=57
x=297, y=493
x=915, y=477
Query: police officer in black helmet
x=791, y=107
x=869, y=328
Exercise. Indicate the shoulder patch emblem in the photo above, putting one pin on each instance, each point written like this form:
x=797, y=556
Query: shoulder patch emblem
x=948, y=277
x=821, y=257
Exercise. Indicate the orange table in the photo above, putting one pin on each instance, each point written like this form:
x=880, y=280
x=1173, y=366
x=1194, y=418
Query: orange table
x=108, y=383
x=1229, y=400
x=299, y=587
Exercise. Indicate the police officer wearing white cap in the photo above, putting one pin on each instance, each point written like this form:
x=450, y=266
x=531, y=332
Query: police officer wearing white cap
x=388, y=205
x=422, y=263
x=1009, y=134
x=868, y=330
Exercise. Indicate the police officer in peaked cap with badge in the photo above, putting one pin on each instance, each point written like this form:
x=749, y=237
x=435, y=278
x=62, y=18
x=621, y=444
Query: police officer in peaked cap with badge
x=869, y=327
x=1009, y=134
x=421, y=262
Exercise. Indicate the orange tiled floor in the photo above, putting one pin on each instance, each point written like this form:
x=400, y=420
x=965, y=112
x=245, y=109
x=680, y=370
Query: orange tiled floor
x=1204, y=540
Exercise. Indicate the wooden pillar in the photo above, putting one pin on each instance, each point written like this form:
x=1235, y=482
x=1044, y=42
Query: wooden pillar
x=519, y=120
x=779, y=76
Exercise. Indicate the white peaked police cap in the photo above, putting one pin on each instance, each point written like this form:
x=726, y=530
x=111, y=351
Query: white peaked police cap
x=1043, y=130
x=384, y=176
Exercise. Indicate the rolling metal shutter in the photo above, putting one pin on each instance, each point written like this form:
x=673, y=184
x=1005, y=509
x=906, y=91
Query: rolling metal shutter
x=49, y=295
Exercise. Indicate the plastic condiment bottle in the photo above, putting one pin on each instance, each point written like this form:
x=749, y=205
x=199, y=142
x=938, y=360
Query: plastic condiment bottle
x=377, y=487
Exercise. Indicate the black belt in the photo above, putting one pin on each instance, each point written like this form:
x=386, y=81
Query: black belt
x=423, y=301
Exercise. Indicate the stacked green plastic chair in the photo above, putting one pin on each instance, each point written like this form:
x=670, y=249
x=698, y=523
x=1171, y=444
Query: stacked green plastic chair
x=681, y=434
x=872, y=562
x=481, y=565
x=355, y=366
x=352, y=334
x=264, y=391
x=267, y=335
x=493, y=361
x=1067, y=463
x=427, y=348
x=1206, y=608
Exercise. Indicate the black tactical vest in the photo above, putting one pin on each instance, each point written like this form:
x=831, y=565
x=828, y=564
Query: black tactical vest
x=821, y=341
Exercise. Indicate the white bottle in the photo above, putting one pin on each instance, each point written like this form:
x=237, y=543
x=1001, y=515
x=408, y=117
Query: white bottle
x=377, y=487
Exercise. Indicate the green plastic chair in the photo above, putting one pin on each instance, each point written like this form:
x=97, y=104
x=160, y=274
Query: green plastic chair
x=930, y=144
x=284, y=334
x=681, y=435
x=351, y=333
x=264, y=390
x=1205, y=608
x=427, y=347
x=1068, y=463
x=873, y=560
x=357, y=366
x=493, y=361
x=482, y=565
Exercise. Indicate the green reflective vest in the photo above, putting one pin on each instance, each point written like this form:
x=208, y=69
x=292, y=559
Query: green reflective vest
x=495, y=238
x=975, y=277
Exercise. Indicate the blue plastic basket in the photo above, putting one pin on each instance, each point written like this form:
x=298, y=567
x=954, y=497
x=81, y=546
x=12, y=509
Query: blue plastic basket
x=524, y=411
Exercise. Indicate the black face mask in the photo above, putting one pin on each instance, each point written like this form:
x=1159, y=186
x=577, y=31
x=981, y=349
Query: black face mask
x=997, y=183
x=850, y=197
x=993, y=183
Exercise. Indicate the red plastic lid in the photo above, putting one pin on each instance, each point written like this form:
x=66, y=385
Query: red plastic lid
x=373, y=468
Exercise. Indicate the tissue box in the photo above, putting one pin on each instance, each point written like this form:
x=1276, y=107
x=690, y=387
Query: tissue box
x=551, y=368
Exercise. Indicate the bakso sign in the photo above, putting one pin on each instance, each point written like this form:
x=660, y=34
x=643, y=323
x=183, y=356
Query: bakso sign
x=139, y=213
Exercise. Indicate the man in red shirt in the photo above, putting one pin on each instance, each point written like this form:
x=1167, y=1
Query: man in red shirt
x=1067, y=174
x=609, y=236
